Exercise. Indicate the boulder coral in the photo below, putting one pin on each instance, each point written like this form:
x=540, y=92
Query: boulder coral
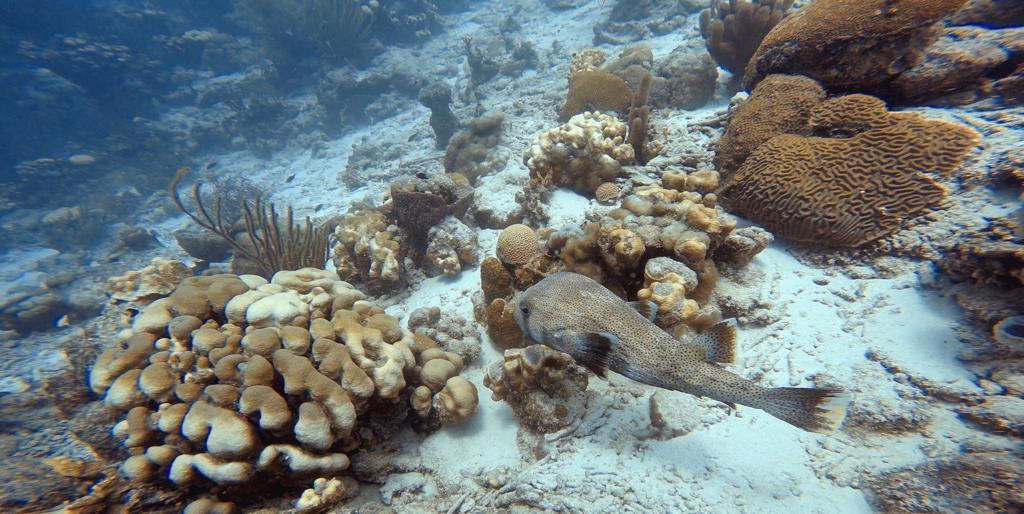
x=517, y=244
x=780, y=104
x=862, y=173
x=582, y=154
x=850, y=45
x=213, y=399
x=596, y=89
x=474, y=151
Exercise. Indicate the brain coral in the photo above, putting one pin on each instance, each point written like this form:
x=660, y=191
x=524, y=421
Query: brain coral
x=849, y=44
x=848, y=191
x=516, y=244
x=780, y=104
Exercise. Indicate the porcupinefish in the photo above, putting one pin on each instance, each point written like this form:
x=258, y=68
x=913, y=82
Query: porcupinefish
x=574, y=314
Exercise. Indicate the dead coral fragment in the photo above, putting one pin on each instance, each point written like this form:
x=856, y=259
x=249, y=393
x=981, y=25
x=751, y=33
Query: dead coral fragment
x=545, y=388
x=451, y=245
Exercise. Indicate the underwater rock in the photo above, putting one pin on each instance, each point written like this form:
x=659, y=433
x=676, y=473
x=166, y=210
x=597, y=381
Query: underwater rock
x=438, y=98
x=634, y=20
x=959, y=65
x=684, y=79
x=672, y=415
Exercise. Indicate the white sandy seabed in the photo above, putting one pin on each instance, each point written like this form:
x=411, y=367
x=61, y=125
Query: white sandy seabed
x=808, y=324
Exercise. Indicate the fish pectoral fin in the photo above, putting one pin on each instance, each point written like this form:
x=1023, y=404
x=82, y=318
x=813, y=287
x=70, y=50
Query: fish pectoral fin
x=593, y=351
x=646, y=308
x=719, y=342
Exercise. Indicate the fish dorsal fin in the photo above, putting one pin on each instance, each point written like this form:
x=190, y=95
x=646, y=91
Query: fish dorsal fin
x=646, y=308
x=719, y=342
x=593, y=351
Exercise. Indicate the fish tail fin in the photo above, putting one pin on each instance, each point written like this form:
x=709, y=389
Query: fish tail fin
x=814, y=410
x=719, y=342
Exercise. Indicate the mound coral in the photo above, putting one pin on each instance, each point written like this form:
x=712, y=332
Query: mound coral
x=546, y=389
x=517, y=244
x=495, y=310
x=872, y=171
x=472, y=152
x=582, y=154
x=780, y=104
x=267, y=380
x=607, y=192
x=596, y=90
x=849, y=44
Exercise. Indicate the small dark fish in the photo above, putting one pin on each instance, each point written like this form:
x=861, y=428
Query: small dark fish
x=290, y=178
x=576, y=315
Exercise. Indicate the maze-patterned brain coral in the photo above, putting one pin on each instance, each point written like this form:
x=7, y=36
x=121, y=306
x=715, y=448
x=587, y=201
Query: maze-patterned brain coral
x=516, y=244
x=780, y=104
x=850, y=191
x=849, y=44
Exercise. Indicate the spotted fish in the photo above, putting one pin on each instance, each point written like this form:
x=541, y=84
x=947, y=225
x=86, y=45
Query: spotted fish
x=576, y=315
